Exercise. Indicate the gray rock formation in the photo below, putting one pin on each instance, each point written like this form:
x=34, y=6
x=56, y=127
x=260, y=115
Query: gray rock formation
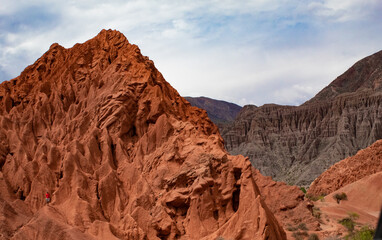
x=296, y=144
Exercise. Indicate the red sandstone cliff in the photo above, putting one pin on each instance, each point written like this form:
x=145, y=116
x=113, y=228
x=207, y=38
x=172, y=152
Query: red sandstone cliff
x=123, y=155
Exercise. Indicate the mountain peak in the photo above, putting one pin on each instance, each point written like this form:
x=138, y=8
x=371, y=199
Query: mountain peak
x=123, y=155
x=108, y=53
x=54, y=46
x=111, y=36
x=364, y=75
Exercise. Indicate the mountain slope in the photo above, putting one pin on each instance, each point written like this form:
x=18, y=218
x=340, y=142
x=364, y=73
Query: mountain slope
x=123, y=155
x=360, y=178
x=363, y=198
x=220, y=112
x=364, y=75
x=365, y=163
x=296, y=144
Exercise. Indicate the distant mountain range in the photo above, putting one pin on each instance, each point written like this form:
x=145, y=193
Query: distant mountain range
x=220, y=112
x=296, y=144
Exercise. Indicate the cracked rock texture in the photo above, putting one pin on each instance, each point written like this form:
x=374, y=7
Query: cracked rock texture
x=122, y=154
x=296, y=144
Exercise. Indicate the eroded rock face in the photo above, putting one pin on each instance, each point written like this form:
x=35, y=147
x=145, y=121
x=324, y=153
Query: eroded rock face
x=297, y=144
x=287, y=203
x=366, y=162
x=123, y=155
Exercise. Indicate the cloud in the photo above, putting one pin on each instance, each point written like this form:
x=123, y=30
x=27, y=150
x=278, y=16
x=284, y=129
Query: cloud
x=344, y=11
x=240, y=51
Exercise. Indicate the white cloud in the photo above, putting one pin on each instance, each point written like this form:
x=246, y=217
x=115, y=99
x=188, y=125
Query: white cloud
x=343, y=11
x=240, y=51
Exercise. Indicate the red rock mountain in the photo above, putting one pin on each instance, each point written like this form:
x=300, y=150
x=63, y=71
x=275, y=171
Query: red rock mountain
x=122, y=154
x=296, y=144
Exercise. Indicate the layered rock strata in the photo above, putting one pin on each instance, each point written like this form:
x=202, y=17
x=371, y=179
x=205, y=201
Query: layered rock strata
x=297, y=144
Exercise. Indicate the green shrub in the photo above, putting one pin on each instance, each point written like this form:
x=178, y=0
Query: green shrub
x=303, y=189
x=315, y=198
x=313, y=236
x=300, y=235
x=291, y=228
x=354, y=216
x=340, y=197
x=365, y=233
x=302, y=226
x=348, y=223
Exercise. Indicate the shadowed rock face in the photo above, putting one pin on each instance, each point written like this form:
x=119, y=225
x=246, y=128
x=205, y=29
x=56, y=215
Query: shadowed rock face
x=123, y=155
x=296, y=144
x=220, y=112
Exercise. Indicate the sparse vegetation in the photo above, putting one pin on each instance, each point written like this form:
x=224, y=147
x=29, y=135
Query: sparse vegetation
x=303, y=189
x=353, y=215
x=315, y=198
x=300, y=235
x=365, y=233
x=302, y=226
x=348, y=223
x=338, y=197
x=313, y=236
x=291, y=228
x=333, y=238
x=316, y=212
x=297, y=237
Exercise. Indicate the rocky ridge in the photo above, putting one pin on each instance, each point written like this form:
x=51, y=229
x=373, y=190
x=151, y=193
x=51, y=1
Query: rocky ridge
x=123, y=155
x=296, y=144
x=220, y=112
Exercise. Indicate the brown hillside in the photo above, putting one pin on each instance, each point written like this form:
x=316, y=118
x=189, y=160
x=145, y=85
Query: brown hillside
x=365, y=163
x=363, y=198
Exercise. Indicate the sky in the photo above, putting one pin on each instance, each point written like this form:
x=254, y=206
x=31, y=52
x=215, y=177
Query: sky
x=245, y=52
